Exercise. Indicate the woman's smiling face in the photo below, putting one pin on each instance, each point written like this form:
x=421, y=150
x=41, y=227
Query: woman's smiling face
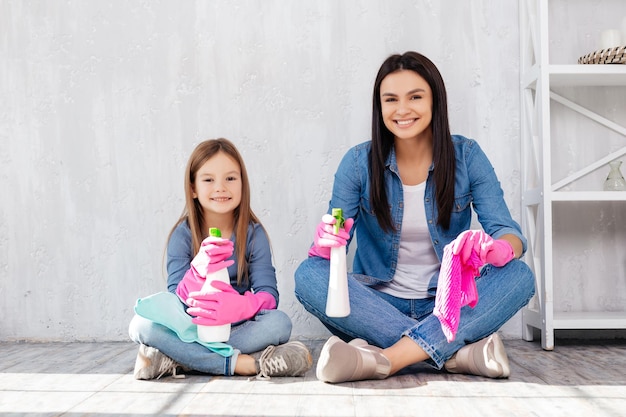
x=406, y=104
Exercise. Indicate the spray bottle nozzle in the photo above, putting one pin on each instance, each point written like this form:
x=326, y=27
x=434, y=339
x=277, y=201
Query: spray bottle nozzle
x=337, y=213
x=215, y=232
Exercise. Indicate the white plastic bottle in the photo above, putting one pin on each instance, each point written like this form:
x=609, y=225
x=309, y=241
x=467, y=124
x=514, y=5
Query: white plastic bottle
x=338, y=300
x=219, y=333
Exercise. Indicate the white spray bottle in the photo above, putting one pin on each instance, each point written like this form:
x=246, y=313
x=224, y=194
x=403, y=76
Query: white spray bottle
x=220, y=333
x=338, y=300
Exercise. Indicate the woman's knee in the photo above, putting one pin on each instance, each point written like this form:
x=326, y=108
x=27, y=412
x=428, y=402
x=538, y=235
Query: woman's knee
x=525, y=276
x=310, y=276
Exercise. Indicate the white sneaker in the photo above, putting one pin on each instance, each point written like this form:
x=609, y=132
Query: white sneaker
x=355, y=361
x=486, y=357
x=151, y=364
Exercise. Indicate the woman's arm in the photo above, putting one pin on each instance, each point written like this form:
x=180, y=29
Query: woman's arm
x=515, y=242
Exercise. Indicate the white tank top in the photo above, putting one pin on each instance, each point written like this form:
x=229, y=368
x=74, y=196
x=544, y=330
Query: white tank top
x=417, y=260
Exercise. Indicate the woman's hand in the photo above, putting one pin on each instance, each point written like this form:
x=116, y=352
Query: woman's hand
x=497, y=252
x=325, y=238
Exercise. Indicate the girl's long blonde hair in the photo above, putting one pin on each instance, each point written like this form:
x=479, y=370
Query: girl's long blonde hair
x=193, y=210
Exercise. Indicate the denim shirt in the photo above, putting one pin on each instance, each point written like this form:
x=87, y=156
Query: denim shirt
x=261, y=272
x=476, y=187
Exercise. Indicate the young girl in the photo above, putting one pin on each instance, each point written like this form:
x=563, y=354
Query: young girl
x=409, y=193
x=217, y=195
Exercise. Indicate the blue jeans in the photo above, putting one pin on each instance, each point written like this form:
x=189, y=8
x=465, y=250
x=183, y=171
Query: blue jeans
x=268, y=327
x=382, y=319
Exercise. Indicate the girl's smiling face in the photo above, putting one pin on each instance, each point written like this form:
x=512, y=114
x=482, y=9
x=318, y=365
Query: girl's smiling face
x=218, y=185
x=406, y=104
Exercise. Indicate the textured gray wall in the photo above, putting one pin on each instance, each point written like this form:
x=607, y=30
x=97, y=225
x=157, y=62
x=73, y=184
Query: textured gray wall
x=102, y=102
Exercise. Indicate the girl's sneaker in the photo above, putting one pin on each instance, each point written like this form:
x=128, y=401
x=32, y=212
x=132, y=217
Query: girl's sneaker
x=289, y=359
x=151, y=364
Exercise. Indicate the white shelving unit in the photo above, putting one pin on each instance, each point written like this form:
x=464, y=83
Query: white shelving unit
x=540, y=189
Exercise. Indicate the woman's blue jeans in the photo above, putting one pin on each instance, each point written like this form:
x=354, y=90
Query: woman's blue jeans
x=268, y=327
x=382, y=319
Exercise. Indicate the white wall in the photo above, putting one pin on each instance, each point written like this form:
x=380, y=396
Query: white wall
x=102, y=102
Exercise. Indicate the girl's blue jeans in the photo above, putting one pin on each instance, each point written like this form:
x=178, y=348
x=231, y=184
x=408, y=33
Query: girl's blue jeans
x=268, y=327
x=382, y=319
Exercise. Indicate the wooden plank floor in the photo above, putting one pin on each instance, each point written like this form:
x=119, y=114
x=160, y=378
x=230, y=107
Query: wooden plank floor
x=75, y=379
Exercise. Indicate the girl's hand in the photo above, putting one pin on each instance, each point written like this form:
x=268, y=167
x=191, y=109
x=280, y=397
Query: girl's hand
x=212, y=256
x=227, y=305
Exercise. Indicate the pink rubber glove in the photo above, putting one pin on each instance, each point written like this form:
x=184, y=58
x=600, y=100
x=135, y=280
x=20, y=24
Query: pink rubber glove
x=212, y=255
x=325, y=238
x=227, y=305
x=210, y=258
x=497, y=252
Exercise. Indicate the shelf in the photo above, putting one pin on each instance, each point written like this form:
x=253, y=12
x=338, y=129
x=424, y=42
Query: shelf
x=590, y=320
x=589, y=196
x=542, y=194
x=579, y=75
x=587, y=75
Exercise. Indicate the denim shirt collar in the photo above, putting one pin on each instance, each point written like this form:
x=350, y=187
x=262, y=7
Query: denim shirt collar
x=392, y=164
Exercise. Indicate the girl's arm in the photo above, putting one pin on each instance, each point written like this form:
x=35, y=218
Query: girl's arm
x=179, y=256
x=261, y=272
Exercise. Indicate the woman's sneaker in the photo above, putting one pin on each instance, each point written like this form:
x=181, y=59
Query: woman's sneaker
x=355, y=361
x=151, y=364
x=290, y=359
x=486, y=357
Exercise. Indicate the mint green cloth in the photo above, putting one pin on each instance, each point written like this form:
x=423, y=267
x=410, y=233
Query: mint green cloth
x=166, y=309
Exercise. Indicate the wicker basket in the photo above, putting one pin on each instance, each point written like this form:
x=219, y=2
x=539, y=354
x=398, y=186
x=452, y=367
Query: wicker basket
x=615, y=55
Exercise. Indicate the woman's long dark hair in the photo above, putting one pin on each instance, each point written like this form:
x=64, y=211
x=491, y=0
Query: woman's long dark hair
x=383, y=140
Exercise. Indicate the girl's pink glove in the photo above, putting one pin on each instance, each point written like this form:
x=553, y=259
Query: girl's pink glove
x=212, y=255
x=497, y=252
x=325, y=238
x=227, y=305
x=210, y=258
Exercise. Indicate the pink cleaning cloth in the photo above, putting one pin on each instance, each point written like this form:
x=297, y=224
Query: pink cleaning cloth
x=456, y=288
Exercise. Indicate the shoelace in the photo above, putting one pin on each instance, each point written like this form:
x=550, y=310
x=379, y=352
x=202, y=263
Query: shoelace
x=168, y=365
x=269, y=365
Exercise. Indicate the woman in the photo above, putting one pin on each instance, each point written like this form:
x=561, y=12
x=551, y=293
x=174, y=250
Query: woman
x=409, y=192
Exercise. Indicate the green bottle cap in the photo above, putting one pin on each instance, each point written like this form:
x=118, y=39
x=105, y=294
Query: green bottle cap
x=215, y=232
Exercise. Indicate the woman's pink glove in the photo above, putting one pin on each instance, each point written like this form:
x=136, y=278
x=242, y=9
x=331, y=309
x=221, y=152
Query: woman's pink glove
x=325, y=238
x=227, y=305
x=497, y=252
x=210, y=258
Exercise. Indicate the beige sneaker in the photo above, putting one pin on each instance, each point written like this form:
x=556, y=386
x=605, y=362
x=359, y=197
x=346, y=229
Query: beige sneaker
x=289, y=359
x=151, y=364
x=355, y=361
x=486, y=357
